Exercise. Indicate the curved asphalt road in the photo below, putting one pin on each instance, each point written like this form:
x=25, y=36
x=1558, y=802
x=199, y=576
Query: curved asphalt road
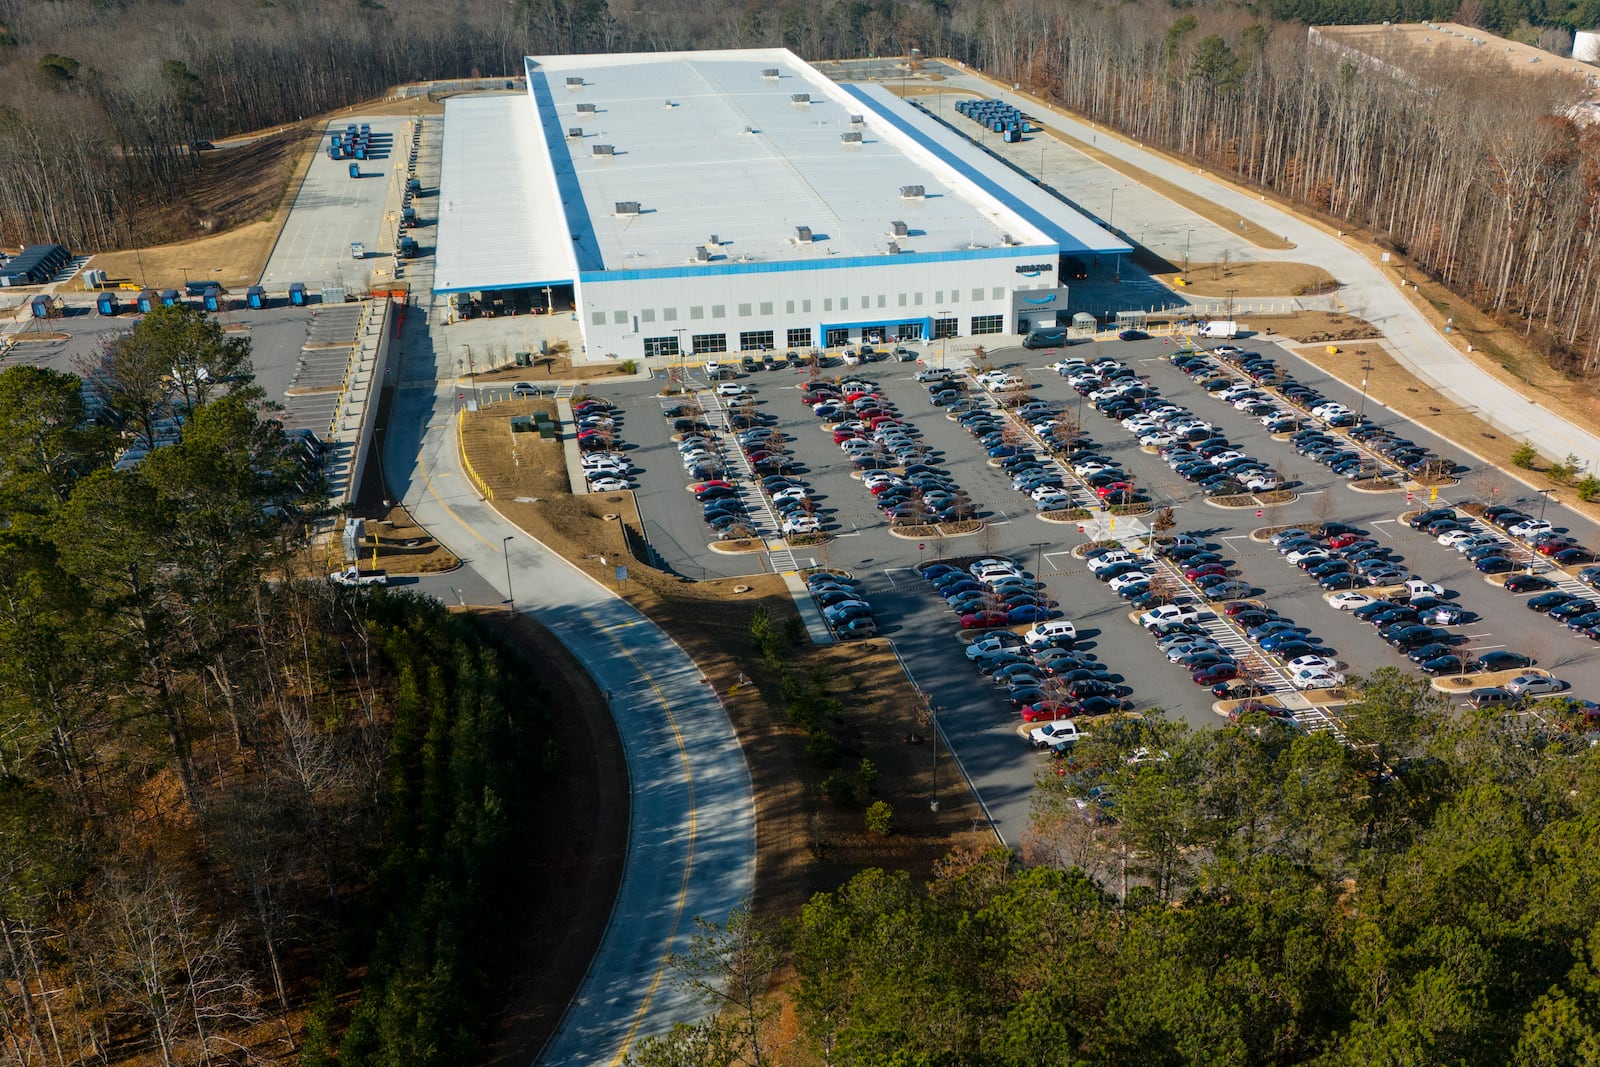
x=691, y=845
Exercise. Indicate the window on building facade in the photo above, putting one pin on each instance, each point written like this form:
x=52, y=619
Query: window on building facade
x=945, y=328
x=755, y=340
x=661, y=346
x=988, y=323
x=800, y=338
x=710, y=342
x=837, y=337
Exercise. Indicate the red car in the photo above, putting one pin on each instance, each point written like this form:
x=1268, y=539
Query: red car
x=712, y=483
x=1047, y=711
x=1235, y=607
x=983, y=620
x=1113, y=487
x=1204, y=569
x=1556, y=544
x=1217, y=672
x=841, y=436
x=1344, y=539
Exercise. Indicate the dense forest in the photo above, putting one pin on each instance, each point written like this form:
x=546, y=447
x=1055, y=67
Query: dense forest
x=1244, y=895
x=218, y=785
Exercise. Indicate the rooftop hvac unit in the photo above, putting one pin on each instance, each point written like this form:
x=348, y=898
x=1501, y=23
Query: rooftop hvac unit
x=714, y=242
x=575, y=83
x=802, y=234
x=586, y=109
x=894, y=248
x=575, y=132
x=858, y=120
x=1007, y=240
x=627, y=207
x=853, y=137
x=770, y=72
x=800, y=98
x=605, y=150
x=912, y=192
x=898, y=229
x=701, y=254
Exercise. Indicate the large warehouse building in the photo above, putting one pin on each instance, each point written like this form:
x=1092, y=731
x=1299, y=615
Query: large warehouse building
x=706, y=202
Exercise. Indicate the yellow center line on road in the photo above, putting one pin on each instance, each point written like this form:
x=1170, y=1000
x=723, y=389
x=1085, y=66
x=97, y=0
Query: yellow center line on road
x=688, y=864
x=422, y=465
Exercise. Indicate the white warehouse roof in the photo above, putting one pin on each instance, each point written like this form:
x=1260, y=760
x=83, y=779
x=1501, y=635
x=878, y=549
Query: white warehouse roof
x=631, y=163
x=499, y=213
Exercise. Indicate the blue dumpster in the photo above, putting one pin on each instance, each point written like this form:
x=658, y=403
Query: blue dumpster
x=147, y=301
x=40, y=306
x=212, y=299
x=355, y=170
x=297, y=294
x=255, y=297
x=169, y=298
x=106, y=304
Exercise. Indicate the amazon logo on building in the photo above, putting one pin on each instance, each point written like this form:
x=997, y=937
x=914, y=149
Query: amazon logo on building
x=1034, y=269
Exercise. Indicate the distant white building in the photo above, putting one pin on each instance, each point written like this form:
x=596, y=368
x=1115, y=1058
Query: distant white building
x=1586, y=46
x=703, y=202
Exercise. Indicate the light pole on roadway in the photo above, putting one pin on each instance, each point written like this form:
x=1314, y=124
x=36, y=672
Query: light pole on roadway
x=505, y=548
x=1366, y=370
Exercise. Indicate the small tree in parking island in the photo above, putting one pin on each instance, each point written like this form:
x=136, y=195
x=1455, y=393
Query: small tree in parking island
x=1524, y=456
x=1588, y=488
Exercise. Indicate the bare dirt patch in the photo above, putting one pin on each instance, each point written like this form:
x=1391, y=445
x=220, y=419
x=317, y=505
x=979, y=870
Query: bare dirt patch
x=224, y=226
x=556, y=368
x=1259, y=278
x=1319, y=326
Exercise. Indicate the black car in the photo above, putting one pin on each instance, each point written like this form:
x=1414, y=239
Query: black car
x=1501, y=661
x=1527, y=583
x=1423, y=519
x=1548, y=601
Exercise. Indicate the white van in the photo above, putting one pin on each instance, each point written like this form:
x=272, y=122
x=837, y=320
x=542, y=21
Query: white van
x=1219, y=328
x=1048, y=630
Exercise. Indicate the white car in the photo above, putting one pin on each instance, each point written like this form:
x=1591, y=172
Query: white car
x=1043, y=631
x=1529, y=529
x=1349, y=600
x=1167, y=614
x=1313, y=663
x=1065, y=367
x=1157, y=440
x=730, y=389
x=608, y=485
x=794, y=492
x=1452, y=538
x=1301, y=555
x=1111, y=559
x=1060, y=732
x=802, y=524
x=1316, y=679
x=1126, y=581
x=931, y=374
x=1262, y=483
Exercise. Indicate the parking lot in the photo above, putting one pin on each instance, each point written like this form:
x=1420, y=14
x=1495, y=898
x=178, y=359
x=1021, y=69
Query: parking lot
x=978, y=722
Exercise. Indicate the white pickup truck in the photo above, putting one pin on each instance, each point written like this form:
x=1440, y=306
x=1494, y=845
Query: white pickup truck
x=354, y=576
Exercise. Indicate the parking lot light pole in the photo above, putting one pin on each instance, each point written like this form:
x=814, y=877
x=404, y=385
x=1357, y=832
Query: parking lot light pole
x=1366, y=370
x=511, y=597
x=933, y=723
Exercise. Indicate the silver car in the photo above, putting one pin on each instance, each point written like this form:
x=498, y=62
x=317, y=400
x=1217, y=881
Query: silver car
x=1531, y=685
